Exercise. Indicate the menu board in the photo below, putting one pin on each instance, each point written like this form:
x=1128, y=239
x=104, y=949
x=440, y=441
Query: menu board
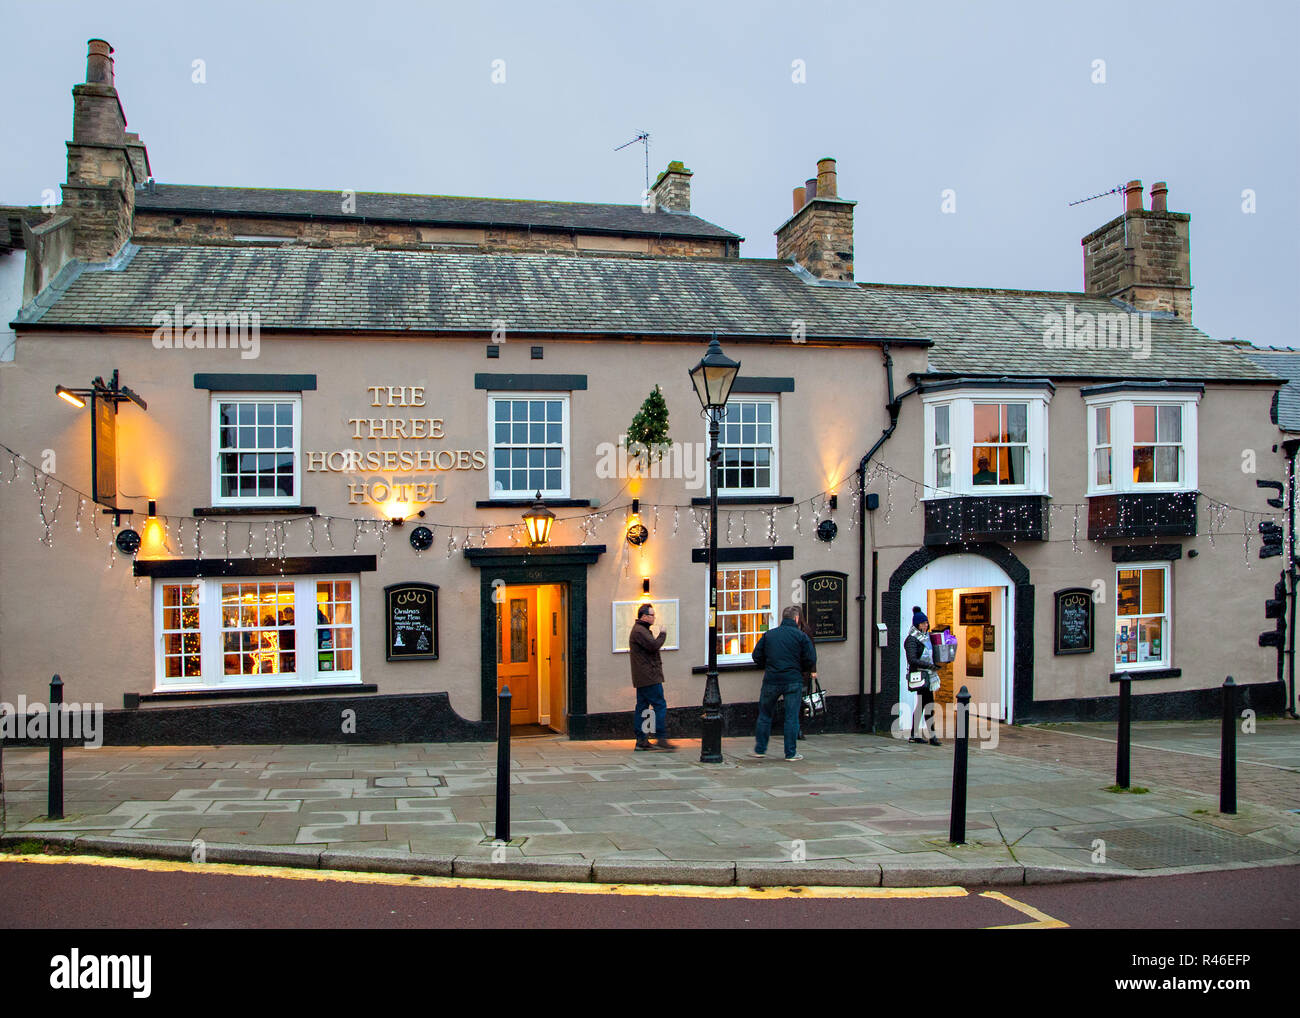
x=826, y=602
x=1074, y=621
x=411, y=611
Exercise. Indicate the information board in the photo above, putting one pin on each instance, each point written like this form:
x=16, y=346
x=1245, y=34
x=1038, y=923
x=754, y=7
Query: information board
x=826, y=602
x=624, y=616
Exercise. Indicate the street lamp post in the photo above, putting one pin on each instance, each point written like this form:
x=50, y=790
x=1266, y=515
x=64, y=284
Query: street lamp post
x=713, y=378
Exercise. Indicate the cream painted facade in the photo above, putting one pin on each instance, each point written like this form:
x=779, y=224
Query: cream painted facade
x=165, y=454
x=833, y=414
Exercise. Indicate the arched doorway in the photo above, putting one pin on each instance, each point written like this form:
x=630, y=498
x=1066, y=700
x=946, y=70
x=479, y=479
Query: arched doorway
x=972, y=597
x=975, y=568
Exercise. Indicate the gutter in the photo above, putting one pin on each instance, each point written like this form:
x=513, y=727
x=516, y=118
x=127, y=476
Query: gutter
x=893, y=407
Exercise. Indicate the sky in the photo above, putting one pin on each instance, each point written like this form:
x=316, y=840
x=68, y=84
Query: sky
x=1017, y=109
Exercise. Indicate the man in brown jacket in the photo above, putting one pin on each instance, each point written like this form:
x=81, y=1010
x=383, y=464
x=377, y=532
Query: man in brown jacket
x=648, y=679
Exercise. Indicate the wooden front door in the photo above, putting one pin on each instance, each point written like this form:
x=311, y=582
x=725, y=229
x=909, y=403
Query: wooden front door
x=517, y=651
x=558, y=656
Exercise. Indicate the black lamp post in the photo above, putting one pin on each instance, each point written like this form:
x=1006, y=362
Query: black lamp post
x=713, y=378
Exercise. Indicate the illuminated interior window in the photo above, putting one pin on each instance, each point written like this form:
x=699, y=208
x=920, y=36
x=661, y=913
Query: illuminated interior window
x=745, y=599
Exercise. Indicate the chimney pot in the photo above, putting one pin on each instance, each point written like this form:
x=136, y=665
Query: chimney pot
x=810, y=188
x=800, y=198
x=1133, y=196
x=99, y=62
x=1159, y=197
x=826, y=183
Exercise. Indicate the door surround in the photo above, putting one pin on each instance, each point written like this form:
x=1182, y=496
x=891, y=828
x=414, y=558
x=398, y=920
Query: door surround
x=1022, y=672
x=527, y=566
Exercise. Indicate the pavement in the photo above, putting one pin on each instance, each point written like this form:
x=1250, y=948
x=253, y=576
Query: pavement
x=859, y=810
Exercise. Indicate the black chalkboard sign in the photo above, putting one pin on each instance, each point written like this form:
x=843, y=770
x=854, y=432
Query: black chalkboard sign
x=826, y=602
x=1074, y=615
x=975, y=609
x=411, y=611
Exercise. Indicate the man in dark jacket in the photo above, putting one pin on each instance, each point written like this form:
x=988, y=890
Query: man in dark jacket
x=785, y=653
x=648, y=679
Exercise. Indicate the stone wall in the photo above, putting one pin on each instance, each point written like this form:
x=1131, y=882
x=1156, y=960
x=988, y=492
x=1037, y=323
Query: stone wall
x=187, y=228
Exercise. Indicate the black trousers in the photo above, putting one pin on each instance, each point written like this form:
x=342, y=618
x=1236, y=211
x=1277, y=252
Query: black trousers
x=925, y=712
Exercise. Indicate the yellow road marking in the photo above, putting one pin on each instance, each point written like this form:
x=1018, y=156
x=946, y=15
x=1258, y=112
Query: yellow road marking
x=415, y=880
x=1042, y=921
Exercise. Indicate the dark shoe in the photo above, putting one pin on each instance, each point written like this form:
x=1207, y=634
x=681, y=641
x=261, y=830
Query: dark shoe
x=915, y=739
x=934, y=741
x=665, y=745
x=643, y=744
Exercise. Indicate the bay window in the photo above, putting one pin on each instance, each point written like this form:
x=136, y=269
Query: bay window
x=1140, y=442
x=986, y=441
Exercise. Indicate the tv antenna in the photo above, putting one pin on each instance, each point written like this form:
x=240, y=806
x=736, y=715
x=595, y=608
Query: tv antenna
x=1113, y=190
x=644, y=139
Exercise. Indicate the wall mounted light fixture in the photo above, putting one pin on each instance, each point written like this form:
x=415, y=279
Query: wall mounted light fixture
x=637, y=534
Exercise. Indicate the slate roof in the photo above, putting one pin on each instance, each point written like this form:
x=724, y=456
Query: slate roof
x=1284, y=364
x=431, y=210
x=306, y=289
x=1001, y=332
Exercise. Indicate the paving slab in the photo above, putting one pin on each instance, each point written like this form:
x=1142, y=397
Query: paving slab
x=1038, y=802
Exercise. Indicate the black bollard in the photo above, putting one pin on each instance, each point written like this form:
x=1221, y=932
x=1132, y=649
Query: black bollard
x=503, y=765
x=1228, y=750
x=957, y=827
x=54, y=808
x=1122, y=742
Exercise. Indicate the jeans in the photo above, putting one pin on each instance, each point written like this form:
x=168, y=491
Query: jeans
x=924, y=711
x=648, y=697
x=767, y=698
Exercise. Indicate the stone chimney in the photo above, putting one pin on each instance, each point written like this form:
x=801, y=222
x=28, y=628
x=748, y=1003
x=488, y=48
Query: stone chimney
x=819, y=235
x=105, y=162
x=1142, y=257
x=672, y=188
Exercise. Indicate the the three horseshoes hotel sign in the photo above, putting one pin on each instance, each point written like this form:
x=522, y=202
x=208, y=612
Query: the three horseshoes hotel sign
x=394, y=461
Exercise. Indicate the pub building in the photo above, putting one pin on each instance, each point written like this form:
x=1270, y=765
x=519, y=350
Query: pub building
x=291, y=466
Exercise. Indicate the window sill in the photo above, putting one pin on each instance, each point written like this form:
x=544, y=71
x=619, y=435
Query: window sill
x=989, y=491
x=255, y=510
x=526, y=503
x=132, y=700
x=1144, y=490
x=737, y=666
x=728, y=500
x=1147, y=673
